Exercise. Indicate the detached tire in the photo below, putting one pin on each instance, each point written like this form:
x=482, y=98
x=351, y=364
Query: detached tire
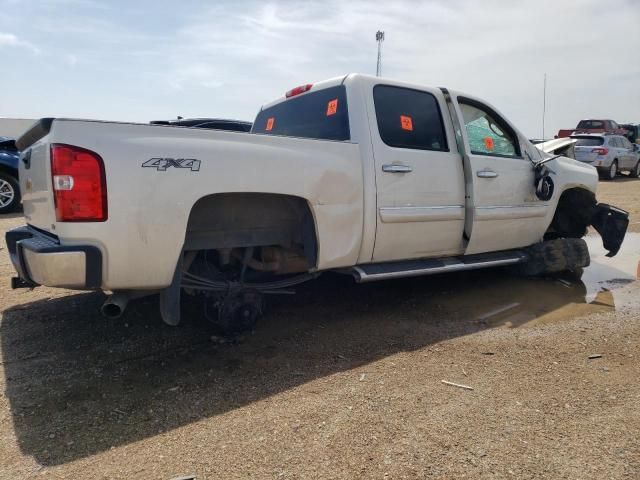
x=9, y=193
x=555, y=256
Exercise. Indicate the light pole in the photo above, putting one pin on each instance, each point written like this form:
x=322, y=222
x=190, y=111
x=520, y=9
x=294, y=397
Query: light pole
x=379, y=39
x=544, y=103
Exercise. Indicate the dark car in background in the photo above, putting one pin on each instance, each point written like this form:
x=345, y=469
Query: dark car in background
x=211, y=123
x=9, y=188
x=633, y=132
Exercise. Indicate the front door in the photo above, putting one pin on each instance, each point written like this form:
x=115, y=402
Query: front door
x=504, y=211
x=419, y=175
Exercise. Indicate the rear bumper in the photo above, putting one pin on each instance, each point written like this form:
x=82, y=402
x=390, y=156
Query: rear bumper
x=39, y=259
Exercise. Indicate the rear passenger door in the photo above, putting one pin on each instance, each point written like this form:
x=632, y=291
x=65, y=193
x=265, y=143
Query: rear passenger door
x=419, y=174
x=619, y=152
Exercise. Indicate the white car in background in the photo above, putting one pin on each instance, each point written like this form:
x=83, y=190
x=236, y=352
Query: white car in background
x=610, y=154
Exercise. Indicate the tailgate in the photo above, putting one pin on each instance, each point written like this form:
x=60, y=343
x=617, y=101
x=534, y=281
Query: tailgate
x=34, y=174
x=585, y=154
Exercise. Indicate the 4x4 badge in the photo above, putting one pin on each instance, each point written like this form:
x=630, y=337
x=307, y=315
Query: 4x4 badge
x=161, y=164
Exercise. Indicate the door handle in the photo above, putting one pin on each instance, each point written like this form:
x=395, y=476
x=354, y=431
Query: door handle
x=486, y=174
x=395, y=168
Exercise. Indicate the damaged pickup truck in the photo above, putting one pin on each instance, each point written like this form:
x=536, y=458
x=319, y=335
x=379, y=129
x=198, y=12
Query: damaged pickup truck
x=362, y=175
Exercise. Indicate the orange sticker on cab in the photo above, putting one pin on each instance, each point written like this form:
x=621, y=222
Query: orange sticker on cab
x=406, y=123
x=488, y=143
x=270, y=122
x=332, y=107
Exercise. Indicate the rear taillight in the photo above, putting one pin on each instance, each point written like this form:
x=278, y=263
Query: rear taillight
x=298, y=90
x=600, y=151
x=79, y=184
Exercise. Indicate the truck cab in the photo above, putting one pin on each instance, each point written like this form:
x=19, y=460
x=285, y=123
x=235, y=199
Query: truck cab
x=430, y=189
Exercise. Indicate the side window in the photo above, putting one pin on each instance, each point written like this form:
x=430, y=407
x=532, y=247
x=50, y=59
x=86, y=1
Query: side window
x=488, y=133
x=409, y=118
x=615, y=142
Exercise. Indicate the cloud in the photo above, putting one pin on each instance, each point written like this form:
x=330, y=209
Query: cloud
x=494, y=49
x=71, y=59
x=227, y=58
x=11, y=40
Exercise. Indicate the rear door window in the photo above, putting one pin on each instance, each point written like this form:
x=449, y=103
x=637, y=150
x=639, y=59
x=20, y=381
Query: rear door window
x=322, y=114
x=409, y=118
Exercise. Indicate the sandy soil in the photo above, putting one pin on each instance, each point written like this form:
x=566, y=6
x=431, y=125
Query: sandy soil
x=339, y=381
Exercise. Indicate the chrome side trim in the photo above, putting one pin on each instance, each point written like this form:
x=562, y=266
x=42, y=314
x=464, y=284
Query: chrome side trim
x=503, y=212
x=363, y=277
x=421, y=214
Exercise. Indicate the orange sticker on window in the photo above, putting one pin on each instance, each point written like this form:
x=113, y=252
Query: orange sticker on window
x=270, y=122
x=332, y=107
x=488, y=143
x=406, y=123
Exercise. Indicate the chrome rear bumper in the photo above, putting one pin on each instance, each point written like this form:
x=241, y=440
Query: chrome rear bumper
x=39, y=259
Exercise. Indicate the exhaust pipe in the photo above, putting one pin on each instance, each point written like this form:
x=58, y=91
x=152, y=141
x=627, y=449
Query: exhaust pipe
x=116, y=303
x=114, y=306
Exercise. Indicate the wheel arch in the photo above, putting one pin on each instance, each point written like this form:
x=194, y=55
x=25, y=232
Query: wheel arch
x=249, y=219
x=573, y=213
x=9, y=171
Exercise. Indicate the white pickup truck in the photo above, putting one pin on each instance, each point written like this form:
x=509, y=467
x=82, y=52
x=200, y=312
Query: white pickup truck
x=362, y=175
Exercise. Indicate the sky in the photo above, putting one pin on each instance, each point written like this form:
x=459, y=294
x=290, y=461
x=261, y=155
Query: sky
x=155, y=59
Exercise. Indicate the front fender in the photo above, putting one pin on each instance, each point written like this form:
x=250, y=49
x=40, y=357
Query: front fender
x=570, y=173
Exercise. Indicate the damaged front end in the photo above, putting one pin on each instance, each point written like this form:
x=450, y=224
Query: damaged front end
x=578, y=209
x=611, y=223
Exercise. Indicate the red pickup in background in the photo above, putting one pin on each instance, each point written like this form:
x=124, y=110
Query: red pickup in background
x=593, y=126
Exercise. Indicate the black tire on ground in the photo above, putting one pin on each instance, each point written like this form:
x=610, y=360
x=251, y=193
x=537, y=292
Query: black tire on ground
x=635, y=171
x=9, y=193
x=571, y=275
x=554, y=256
x=612, y=172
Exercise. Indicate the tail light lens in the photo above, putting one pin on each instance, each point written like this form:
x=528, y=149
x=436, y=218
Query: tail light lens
x=298, y=90
x=79, y=184
x=600, y=151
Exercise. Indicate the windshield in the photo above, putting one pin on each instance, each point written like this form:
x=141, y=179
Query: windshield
x=322, y=115
x=591, y=124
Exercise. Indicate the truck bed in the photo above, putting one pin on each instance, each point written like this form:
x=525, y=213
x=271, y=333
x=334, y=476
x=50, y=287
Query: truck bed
x=147, y=201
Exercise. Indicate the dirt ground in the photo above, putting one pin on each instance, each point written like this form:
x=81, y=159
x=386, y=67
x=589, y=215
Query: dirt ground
x=338, y=381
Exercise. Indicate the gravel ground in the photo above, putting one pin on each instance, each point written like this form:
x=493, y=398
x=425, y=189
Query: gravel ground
x=339, y=381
